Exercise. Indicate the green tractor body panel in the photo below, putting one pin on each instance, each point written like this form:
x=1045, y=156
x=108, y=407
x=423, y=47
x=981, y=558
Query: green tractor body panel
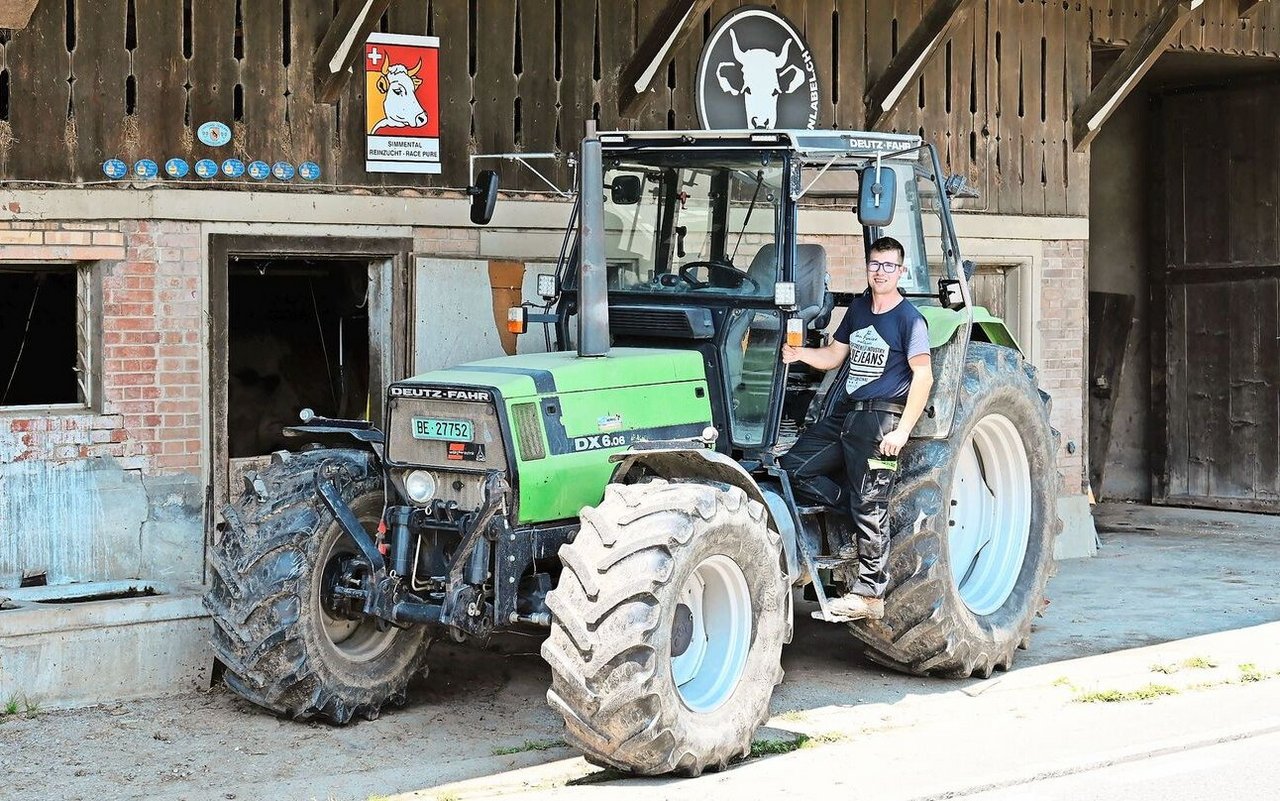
x=943, y=323
x=568, y=414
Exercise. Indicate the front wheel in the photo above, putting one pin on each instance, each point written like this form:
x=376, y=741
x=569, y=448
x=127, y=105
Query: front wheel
x=667, y=627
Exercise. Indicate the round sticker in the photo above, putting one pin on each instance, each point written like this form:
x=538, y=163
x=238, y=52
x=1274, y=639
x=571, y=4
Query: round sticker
x=259, y=170
x=206, y=168
x=282, y=170
x=115, y=169
x=176, y=168
x=214, y=134
x=145, y=168
x=233, y=168
x=309, y=170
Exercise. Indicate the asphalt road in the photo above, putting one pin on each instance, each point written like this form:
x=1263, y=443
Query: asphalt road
x=1241, y=769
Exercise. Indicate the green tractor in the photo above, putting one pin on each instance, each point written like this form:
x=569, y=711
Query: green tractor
x=622, y=492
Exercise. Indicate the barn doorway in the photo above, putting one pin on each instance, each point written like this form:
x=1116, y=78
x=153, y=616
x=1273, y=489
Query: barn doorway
x=1184, y=345
x=294, y=326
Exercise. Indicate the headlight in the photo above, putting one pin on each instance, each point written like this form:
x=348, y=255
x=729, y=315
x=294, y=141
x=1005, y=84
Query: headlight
x=420, y=486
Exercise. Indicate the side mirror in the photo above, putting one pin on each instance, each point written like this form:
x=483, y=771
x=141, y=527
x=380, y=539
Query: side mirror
x=625, y=190
x=484, y=196
x=877, y=193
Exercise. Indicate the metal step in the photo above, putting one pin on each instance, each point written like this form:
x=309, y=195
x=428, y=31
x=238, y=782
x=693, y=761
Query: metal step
x=832, y=562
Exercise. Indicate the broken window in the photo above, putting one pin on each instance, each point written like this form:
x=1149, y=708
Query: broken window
x=45, y=334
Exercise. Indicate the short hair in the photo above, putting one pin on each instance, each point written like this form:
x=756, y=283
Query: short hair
x=887, y=243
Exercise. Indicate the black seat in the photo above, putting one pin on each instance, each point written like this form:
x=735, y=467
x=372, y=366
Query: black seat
x=812, y=298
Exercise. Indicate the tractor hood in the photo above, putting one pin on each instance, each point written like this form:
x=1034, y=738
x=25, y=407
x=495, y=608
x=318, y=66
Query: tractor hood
x=529, y=375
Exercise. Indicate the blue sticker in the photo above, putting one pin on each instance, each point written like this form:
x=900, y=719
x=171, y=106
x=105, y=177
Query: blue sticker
x=309, y=170
x=206, y=168
x=233, y=168
x=259, y=170
x=146, y=168
x=282, y=170
x=176, y=168
x=214, y=134
x=115, y=169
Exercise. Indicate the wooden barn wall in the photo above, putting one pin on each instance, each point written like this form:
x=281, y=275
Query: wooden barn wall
x=89, y=80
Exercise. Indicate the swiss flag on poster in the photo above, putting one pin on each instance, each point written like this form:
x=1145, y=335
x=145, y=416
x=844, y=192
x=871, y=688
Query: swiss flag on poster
x=402, y=103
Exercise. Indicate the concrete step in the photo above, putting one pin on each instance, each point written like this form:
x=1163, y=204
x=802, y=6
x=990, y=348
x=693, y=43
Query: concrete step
x=97, y=642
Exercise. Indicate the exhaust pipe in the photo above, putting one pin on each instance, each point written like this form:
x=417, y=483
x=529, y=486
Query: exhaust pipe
x=593, y=288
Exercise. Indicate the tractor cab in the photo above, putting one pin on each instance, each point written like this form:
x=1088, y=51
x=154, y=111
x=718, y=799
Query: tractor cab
x=703, y=250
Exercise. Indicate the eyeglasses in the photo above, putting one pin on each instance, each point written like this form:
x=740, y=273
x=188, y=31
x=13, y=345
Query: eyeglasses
x=883, y=266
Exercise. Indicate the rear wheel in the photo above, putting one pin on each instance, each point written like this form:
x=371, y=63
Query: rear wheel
x=974, y=521
x=667, y=627
x=288, y=643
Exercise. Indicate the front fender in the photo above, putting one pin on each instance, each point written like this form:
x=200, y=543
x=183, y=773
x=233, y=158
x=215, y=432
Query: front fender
x=683, y=463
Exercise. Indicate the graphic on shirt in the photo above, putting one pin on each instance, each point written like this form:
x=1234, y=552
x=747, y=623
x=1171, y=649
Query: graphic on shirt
x=868, y=355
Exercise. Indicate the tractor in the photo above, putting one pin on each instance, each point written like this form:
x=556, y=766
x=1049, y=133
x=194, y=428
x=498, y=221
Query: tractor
x=622, y=493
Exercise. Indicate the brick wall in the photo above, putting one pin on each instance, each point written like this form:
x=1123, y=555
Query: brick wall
x=147, y=353
x=1063, y=331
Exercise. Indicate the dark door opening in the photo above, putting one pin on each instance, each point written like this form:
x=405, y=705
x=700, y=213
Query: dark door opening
x=41, y=335
x=297, y=337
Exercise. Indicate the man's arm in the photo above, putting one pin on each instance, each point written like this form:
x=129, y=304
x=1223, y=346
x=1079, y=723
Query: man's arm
x=917, y=397
x=824, y=358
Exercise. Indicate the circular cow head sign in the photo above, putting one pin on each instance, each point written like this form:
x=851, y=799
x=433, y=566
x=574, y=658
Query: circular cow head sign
x=757, y=72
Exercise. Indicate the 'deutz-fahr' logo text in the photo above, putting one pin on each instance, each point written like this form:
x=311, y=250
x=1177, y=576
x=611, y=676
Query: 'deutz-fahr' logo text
x=757, y=72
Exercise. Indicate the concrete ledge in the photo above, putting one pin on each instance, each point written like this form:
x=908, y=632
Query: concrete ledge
x=59, y=653
x=1079, y=538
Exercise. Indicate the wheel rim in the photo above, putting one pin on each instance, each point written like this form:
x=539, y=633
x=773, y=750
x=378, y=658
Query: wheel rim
x=990, y=514
x=353, y=640
x=711, y=633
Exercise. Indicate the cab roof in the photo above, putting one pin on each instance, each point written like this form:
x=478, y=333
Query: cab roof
x=819, y=145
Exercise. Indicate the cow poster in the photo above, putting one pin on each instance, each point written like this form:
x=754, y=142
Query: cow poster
x=402, y=103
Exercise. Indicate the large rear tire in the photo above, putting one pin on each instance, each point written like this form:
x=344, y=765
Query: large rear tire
x=974, y=522
x=283, y=644
x=667, y=627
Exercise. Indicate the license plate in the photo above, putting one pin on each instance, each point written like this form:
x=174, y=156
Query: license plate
x=446, y=430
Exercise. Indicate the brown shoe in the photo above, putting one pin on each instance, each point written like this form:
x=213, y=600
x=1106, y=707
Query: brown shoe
x=853, y=607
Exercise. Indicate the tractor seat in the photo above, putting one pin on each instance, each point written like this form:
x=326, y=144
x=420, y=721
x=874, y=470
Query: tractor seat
x=812, y=298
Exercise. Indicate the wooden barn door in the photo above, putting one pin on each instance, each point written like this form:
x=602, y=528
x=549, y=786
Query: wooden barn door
x=1216, y=347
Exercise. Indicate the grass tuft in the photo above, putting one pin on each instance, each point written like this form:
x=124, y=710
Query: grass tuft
x=1145, y=693
x=1249, y=672
x=529, y=745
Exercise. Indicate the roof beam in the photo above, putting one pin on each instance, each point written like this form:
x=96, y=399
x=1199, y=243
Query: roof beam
x=343, y=44
x=671, y=30
x=936, y=24
x=1123, y=75
x=1250, y=7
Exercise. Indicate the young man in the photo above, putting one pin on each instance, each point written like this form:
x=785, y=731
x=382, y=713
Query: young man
x=886, y=342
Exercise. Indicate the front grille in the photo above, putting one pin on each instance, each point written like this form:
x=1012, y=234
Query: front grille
x=660, y=321
x=528, y=431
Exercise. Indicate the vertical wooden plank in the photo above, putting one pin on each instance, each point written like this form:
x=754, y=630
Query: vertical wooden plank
x=101, y=67
x=539, y=90
x=817, y=31
x=310, y=128
x=654, y=114
x=159, y=69
x=851, y=56
x=495, y=81
x=1176, y=435
x=1075, y=90
x=212, y=68
x=934, y=115
x=617, y=44
x=1010, y=147
x=684, y=104
x=262, y=76
x=577, y=87
x=39, y=67
x=1211, y=358
x=408, y=17
x=1032, y=157
x=1247, y=404
x=449, y=21
x=908, y=116
x=880, y=43
x=1055, y=128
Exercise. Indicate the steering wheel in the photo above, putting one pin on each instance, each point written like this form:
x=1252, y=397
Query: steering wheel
x=686, y=273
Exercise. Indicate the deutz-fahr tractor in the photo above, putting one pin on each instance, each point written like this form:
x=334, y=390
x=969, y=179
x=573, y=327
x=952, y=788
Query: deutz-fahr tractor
x=622, y=493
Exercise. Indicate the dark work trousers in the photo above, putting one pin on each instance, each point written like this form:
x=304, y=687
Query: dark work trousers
x=842, y=443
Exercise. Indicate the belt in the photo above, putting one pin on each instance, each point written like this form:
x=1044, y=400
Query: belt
x=876, y=406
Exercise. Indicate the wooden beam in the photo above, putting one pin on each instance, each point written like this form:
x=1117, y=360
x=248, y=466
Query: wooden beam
x=343, y=43
x=15, y=14
x=1250, y=7
x=1127, y=70
x=936, y=24
x=671, y=30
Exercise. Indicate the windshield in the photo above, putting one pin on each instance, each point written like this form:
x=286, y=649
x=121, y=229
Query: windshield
x=698, y=228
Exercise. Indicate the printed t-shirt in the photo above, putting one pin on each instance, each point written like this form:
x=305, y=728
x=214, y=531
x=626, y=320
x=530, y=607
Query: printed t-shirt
x=879, y=347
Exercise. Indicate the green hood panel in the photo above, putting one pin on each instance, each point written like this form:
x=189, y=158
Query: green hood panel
x=567, y=415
